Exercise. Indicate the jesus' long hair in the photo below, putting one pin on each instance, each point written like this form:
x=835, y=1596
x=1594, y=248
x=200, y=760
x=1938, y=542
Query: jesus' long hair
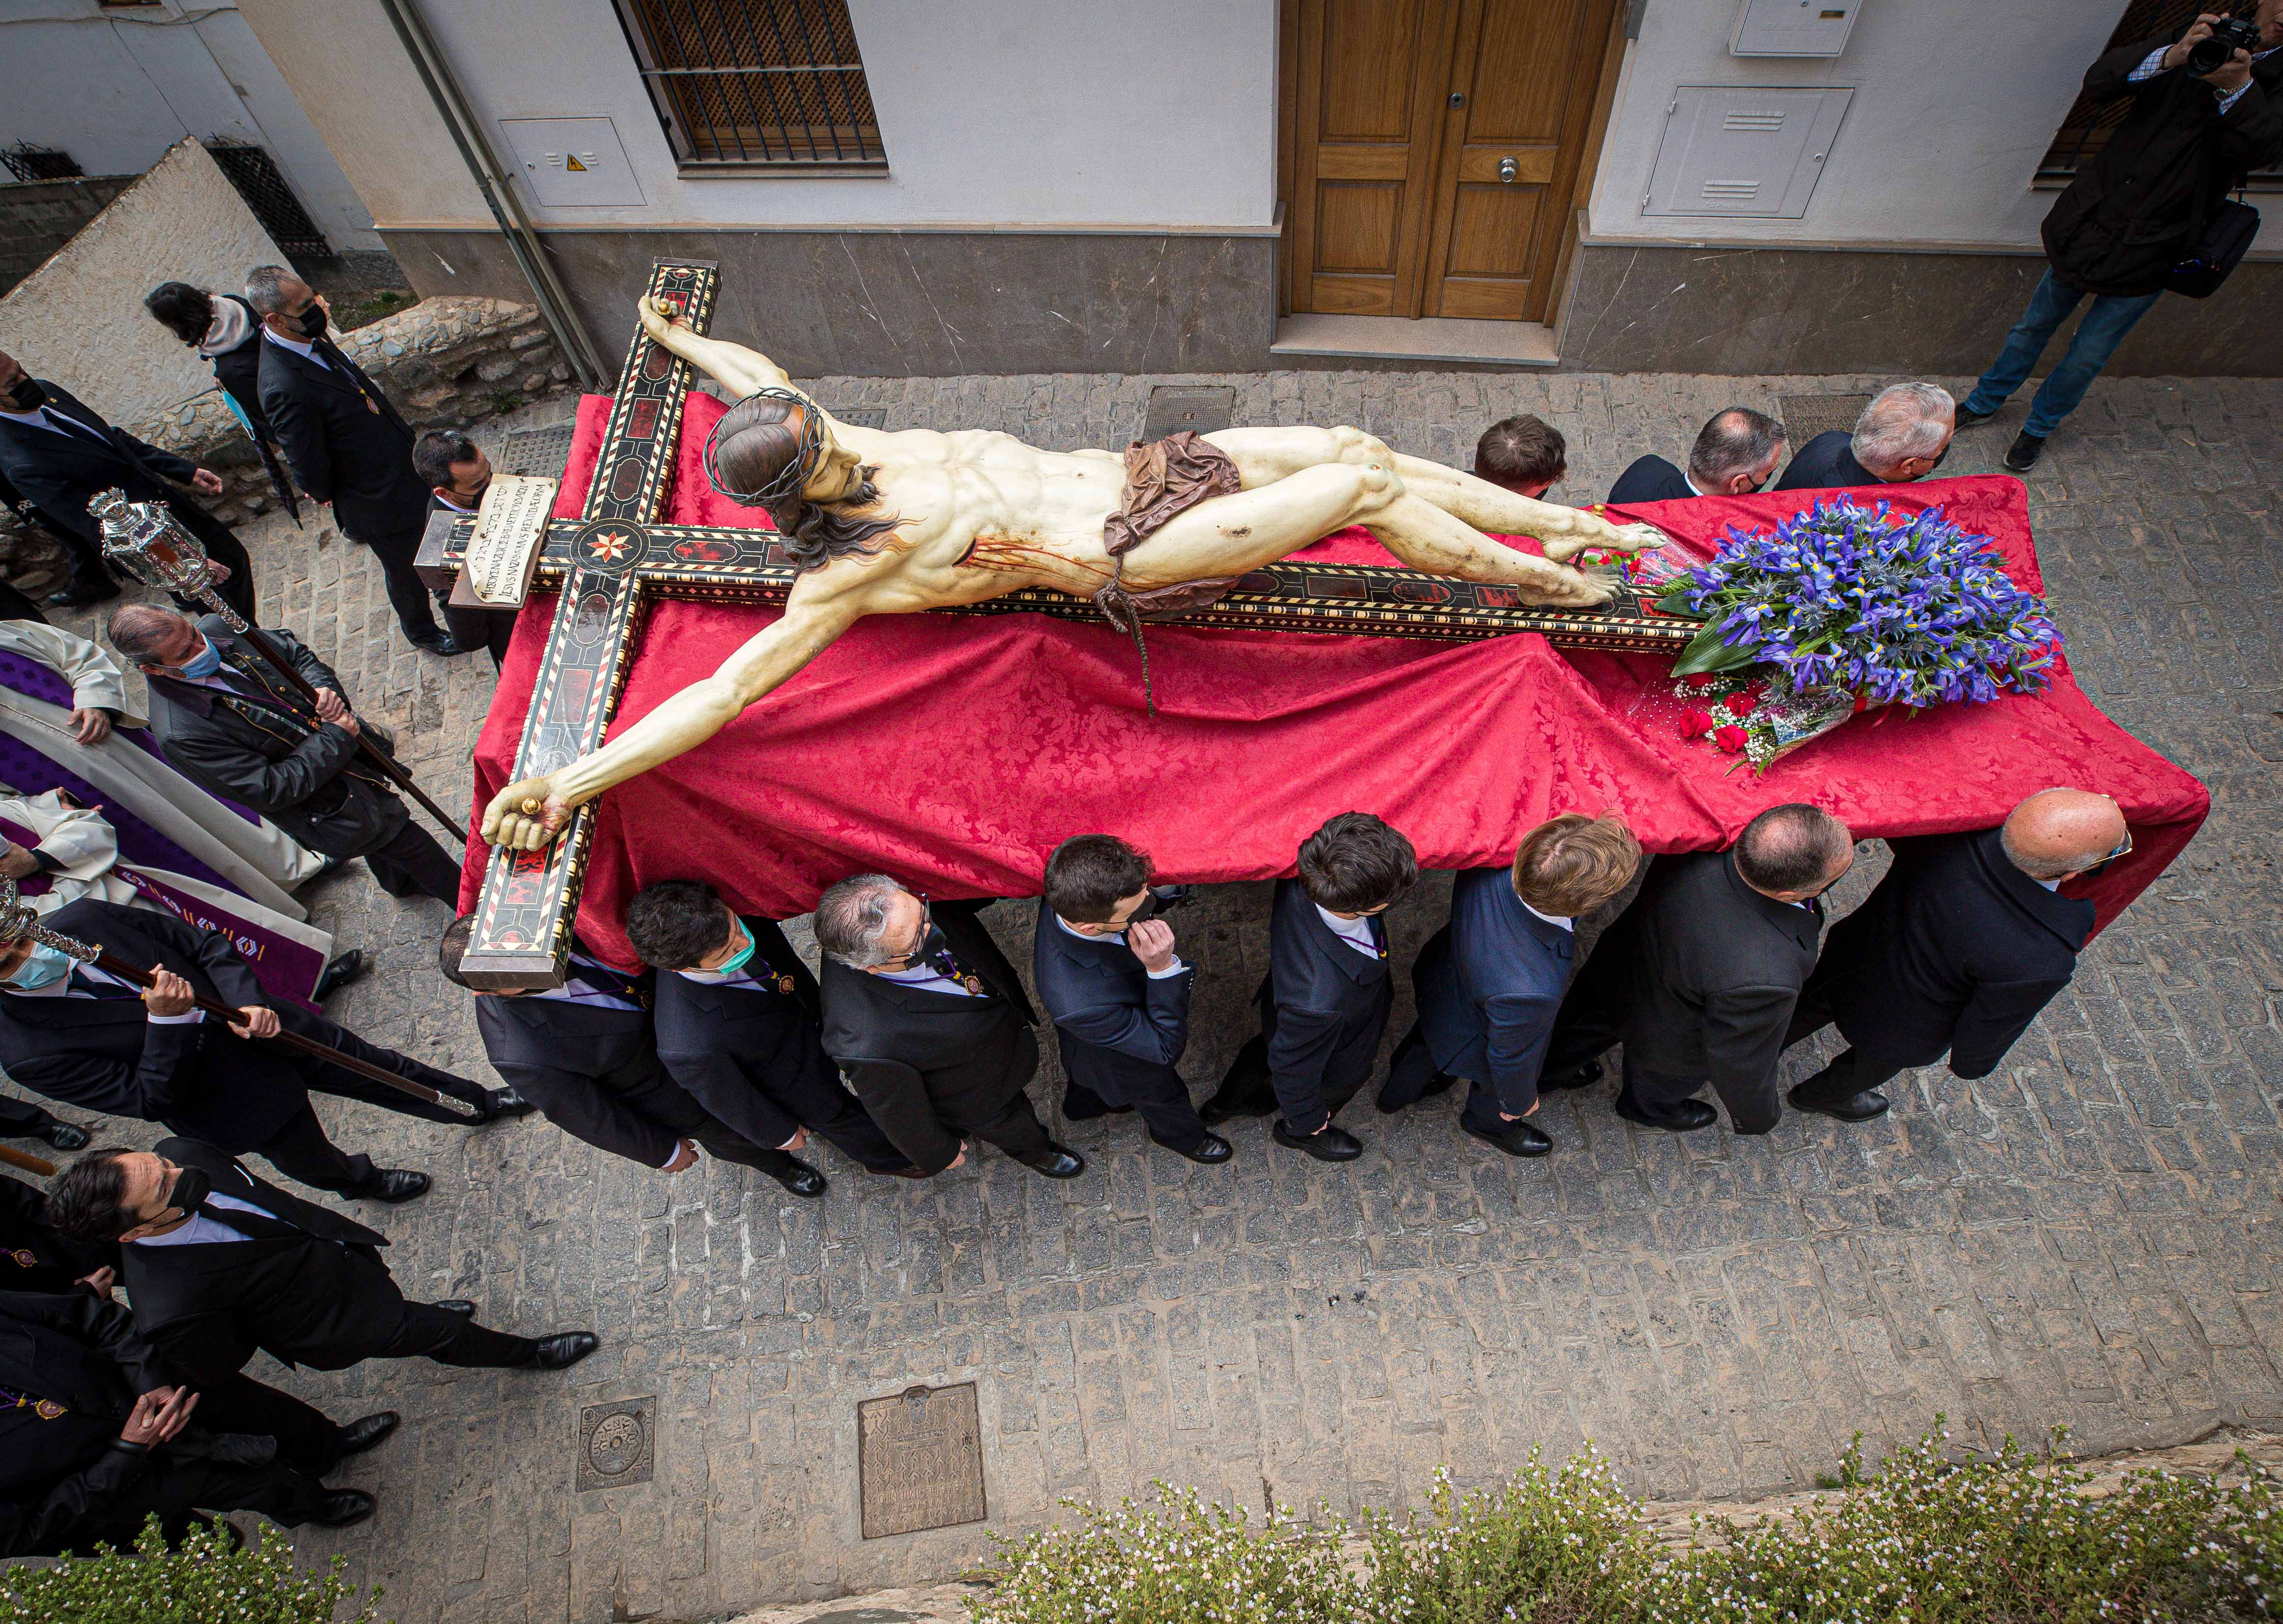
x=758, y=442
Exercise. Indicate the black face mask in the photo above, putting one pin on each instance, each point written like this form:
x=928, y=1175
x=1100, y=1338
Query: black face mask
x=934, y=943
x=29, y=395
x=312, y=322
x=192, y=1187
x=1160, y=899
x=475, y=499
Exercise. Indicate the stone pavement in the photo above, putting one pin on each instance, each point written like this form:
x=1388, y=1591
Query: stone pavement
x=2085, y=1238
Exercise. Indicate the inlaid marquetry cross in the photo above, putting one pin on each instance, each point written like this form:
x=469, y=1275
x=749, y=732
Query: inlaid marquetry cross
x=608, y=564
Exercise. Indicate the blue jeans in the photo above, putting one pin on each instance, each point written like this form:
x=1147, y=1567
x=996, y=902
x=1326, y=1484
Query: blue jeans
x=2096, y=338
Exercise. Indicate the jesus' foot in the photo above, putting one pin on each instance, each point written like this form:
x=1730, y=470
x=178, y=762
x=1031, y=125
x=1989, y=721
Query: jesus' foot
x=526, y=816
x=1615, y=538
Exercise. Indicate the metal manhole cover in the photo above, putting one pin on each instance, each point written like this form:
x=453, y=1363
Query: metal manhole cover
x=1199, y=407
x=616, y=1444
x=861, y=416
x=540, y=451
x=1807, y=416
x=919, y=1461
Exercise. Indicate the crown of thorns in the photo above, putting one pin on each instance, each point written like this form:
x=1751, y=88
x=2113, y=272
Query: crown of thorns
x=794, y=474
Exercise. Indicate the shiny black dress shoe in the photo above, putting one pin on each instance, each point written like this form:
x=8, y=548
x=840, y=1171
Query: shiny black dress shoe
x=1334, y=1143
x=1584, y=1077
x=365, y=1434
x=801, y=1179
x=338, y=974
x=499, y=1103
x=441, y=644
x=1854, y=1108
x=1211, y=1150
x=1055, y=1162
x=1685, y=1117
x=1516, y=1139
x=460, y=1306
x=563, y=1349
x=340, y=1507
x=394, y=1185
x=64, y=1137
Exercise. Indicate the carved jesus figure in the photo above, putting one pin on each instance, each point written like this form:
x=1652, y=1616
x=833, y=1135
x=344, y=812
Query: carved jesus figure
x=891, y=523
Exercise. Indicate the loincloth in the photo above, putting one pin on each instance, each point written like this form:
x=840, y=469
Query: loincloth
x=1163, y=479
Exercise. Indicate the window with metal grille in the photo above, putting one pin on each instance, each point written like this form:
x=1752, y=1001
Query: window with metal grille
x=2091, y=122
x=746, y=83
x=28, y=162
x=259, y=181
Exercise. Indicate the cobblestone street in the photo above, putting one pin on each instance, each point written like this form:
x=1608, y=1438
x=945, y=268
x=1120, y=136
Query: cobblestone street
x=2085, y=1238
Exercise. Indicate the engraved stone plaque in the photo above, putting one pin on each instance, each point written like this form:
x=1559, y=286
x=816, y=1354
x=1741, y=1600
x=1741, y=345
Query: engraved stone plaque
x=1201, y=408
x=503, y=553
x=616, y=1443
x=919, y=1461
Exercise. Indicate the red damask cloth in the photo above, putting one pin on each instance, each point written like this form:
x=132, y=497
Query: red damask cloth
x=955, y=751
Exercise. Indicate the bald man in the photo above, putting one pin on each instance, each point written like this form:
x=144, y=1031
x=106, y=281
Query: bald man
x=1963, y=943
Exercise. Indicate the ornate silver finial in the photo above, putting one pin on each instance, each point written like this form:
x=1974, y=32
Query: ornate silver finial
x=145, y=541
x=17, y=921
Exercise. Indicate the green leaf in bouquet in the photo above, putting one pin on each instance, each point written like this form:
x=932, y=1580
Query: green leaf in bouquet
x=1708, y=652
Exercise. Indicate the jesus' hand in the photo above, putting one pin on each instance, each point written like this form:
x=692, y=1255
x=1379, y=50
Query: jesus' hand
x=526, y=816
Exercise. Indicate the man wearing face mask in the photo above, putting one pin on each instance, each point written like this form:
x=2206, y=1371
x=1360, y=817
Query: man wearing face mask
x=738, y=1012
x=458, y=473
x=1902, y=435
x=586, y=1054
x=348, y=446
x=1117, y=992
x=57, y=453
x=1737, y=452
x=228, y=721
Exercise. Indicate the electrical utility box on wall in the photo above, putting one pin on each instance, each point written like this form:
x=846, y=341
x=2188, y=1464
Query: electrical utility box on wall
x=569, y=163
x=1792, y=27
x=1743, y=152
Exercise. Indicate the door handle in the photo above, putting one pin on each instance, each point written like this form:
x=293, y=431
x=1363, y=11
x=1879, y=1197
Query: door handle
x=1509, y=171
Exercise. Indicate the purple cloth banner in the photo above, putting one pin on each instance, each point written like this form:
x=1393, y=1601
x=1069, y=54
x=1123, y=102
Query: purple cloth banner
x=35, y=681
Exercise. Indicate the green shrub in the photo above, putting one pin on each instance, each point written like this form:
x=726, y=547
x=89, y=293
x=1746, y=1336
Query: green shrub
x=1919, y=1540
x=211, y=1578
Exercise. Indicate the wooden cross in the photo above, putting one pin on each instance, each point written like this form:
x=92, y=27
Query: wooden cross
x=608, y=564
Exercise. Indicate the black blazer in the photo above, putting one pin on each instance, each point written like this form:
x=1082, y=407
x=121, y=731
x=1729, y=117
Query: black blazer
x=590, y=1069
x=927, y=1065
x=1709, y=971
x=1117, y=1027
x=1323, y=1008
x=1956, y=949
x=35, y=1258
x=101, y=1055
x=740, y=1052
x=345, y=439
x=1489, y=985
x=272, y=753
x=322, y=1298
x=1651, y=479
x=1826, y=462
x=57, y=473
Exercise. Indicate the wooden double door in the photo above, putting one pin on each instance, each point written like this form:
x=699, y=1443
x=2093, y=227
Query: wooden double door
x=1435, y=148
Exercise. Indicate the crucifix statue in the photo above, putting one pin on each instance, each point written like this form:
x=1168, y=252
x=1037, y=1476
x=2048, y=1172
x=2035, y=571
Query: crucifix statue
x=1196, y=529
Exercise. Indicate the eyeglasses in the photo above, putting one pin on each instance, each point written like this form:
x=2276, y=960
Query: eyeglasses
x=2122, y=850
x=927, y=924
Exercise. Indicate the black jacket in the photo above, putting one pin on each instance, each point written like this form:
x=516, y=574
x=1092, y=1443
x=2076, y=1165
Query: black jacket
x=1489, y=985
x=2131, y=217
x=80, y=1366
x=1323, y=1009
x=57, y=473
x=35, y=1258
x=1651, y=479
x=271, y=753
x=931, y=1065
x=593, y=1071
x=1118, y=1026
x=746, y=1055
x=1826, y=462
x=346, y=441
x=101, y=1055
x=1957, y=950
x=322, y=1298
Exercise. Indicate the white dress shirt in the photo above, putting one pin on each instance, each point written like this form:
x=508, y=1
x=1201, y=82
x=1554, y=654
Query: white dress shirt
x=1356, y=932
x=925, y=978
x=1568, y=925
x=202, y=1231
x=306, y=350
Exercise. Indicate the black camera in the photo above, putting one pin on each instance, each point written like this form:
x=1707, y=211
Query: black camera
x=2229, y=36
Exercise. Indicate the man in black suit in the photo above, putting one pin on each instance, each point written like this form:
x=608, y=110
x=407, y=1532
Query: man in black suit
x=1325, y=1000
x=57, y=453
x=346, y=442
x=1736, y=454
x=76, y=1033
x=1489, y=981
x=1118, y=994
x=929, y=1024
x=1699, y=977
x=104, y=1431
x=35, y=1258
x=457, y=473
x=737, y=1016
x=586, y=1054
x=227, y=719
x=1902, y=435
x=1964, y=941
x=219, y=1263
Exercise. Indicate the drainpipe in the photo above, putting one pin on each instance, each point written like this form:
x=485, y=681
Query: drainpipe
x=553, y=299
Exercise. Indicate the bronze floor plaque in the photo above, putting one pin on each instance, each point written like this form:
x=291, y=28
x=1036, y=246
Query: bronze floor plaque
x=919, y=1461
x=616, y=1443
x=1201, y=408
x=1807, y=416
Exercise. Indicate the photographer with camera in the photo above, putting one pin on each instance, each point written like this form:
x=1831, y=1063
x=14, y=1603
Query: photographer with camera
x=2150, y=214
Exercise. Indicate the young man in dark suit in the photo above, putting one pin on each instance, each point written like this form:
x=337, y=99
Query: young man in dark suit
x=930, y=1026
x=1961, y=944
x=1902, y=435
x=347, y=445
x=586, y=1054
x=1524, y=454
x=1736, y=453
x=1489, y=981
x=1699, y=977
x=57, y=453
x=219, y=1263
x=76, y=1033
x=1325, y=1000
x=458, y=475
x=738, y=1014
x=1118, y=994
